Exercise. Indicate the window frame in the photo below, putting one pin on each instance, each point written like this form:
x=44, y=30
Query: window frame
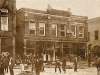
x=4, y=27
x=43, y=27
x=75, y=27
x=56, y=27
x=82, y=33
x=33, y=24
x=96, y=36
x=63, y=30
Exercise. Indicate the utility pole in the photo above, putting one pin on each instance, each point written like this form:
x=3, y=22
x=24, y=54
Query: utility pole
x=14, y=25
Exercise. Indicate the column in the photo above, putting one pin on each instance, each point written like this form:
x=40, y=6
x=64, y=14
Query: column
x=62, y=48
x=13, y=48
x=35, y=49
x=54, y=52
x=24, y=46
x=55, y=49
x=0, y=45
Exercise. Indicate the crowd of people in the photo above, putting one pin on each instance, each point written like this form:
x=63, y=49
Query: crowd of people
x=7, y=62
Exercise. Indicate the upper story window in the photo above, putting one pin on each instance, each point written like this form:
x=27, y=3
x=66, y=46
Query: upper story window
x=73, y=31
x=54, y=30
x=32, y=27
x=42, y=28
x=62, y=30
x=88, y=36
x=4, y=19
x=81, y=31
x=96, y=34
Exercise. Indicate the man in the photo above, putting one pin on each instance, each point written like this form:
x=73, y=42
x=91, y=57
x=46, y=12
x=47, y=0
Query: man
x=37, y=67
x=75, y=64
x=1, y=67
x=89, y=61
x=57, y=64
x=11, y=65
x=41, y=64
x=64, y=64
x=6, y=64
x=2, y=64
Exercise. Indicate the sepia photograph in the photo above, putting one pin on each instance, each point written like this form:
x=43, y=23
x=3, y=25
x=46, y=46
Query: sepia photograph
x=49, y=37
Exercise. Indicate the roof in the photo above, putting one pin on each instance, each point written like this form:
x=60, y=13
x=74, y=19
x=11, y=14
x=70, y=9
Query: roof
x=49, y=11
x=32, y=10
x=94, y=19
x=58, y=12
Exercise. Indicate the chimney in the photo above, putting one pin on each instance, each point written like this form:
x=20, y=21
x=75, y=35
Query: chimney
x=68, y=10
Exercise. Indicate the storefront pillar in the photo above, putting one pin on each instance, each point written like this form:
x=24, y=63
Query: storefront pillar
x=14, y=49
x=54, y=55
x=62, y=48
x=24, y=46
x=0, y=45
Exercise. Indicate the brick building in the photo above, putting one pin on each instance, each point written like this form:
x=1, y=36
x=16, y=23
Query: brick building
x=94, y=39
x=7, y=26
x=50, y=33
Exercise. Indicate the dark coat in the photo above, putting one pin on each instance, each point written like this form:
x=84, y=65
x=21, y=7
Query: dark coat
x=6, y=61
x=75, y=63
x=98, y=63
x=64, y=62
x=37, y=65
x=57, y=62
x=12, y=62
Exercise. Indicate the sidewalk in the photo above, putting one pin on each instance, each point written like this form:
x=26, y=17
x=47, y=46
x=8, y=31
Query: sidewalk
x=51, y=71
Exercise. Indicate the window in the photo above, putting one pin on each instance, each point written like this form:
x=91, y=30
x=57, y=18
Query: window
x=54, y=30
x=81, y=31
x=6, y=43
x=32, y=27
x=42, y=29
x=73, y=31
x=4, y=20
x=62, y=30
x=88, y=36
x=30, y=44
x=96, y=35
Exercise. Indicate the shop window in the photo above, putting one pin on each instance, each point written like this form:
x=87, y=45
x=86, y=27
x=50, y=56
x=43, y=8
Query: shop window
x=30, y=44
x=96, y=35
x=73, y=31
x=32, y=27
x=4, y=20
x=62, y=30
x=4, y=45
x=42, y=29
x=3, y=42
x=54, y=29
x=81, y=31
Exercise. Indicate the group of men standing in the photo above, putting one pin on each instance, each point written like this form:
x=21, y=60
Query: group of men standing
x=64, y=60
x=5, y=63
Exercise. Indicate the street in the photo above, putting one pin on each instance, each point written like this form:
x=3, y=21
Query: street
x=51, y=71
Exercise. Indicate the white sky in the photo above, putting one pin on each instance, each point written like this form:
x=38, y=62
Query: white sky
x=90, y=8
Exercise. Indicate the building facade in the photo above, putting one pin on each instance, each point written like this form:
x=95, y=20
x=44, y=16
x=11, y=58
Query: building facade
x=94, y=39
x=50, y=33
x=7, y=26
